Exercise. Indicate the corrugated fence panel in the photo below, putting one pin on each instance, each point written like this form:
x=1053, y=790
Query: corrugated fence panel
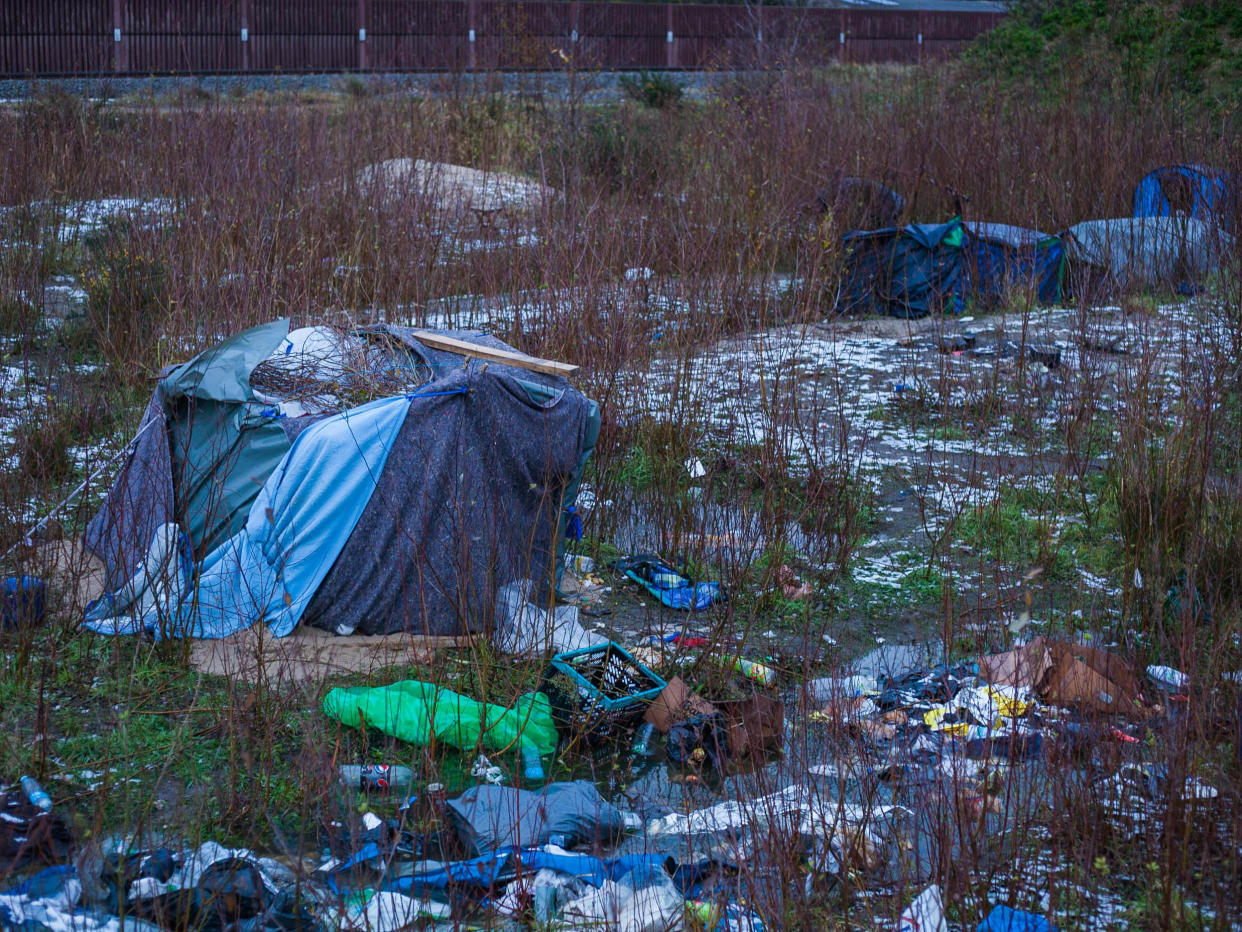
x=303, y=52
x=890, y=24
x=605, y=20
x=72, y=54
x=418, y=18
x=305, y=17
x=416, y=52
x=159, y=54
x=523, y=35
x=180, y=17
x=55, y=17
x=881, y=50
x=961, y=26
x=622, y=52
x=809, y=36
x=181, y=36
x=75, y=36
x=417, y=34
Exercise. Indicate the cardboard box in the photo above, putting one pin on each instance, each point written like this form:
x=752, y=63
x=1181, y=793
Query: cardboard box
x=755, y=724
x=676, y=703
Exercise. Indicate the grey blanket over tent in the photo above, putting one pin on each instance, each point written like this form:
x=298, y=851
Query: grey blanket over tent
x=470, y=501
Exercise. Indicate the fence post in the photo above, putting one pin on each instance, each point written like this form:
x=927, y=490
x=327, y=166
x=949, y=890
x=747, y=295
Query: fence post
x=244, y=10
x=841, y=35
x=472, y=24
x=362, y=35
x=120, y=57
x=670, y=40
x=922, y=29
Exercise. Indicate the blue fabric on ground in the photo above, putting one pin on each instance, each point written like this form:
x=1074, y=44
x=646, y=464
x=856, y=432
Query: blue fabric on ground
x=1000, y=256
x=484, y=871
x=297, y=526
x=47, y=882
x=589, y=869
x=1006, y=919
x=668, y=586
x=1201, y=192
x=489, y=869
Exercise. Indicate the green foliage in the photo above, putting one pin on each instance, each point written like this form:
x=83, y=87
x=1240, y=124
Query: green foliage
x=652, y=89
x=1127, y=49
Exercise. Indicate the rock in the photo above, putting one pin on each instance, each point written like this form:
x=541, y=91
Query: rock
x=63, y=298
x=455, y=189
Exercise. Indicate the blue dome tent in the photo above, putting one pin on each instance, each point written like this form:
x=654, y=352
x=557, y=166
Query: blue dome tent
x=1195, y=191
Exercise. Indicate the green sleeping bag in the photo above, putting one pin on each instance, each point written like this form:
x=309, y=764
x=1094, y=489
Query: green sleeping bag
x=417, y=712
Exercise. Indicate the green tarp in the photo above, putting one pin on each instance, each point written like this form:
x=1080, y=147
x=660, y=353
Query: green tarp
x=223, y=447
x=418, y=712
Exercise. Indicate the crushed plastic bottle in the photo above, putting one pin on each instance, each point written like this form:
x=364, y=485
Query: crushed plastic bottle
x=764, y=676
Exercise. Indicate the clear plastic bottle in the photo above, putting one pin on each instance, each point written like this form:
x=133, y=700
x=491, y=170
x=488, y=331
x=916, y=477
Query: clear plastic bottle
x=642, y=739
x=36, y=794
x=381, y=777
x=532, y=766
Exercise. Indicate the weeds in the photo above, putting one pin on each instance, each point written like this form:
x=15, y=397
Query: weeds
x=654, y=89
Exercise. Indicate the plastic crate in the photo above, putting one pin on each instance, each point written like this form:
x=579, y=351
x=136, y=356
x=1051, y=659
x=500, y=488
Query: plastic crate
x=597, y=687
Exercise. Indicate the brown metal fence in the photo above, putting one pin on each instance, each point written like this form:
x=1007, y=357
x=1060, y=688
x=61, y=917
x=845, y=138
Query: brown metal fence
x=141, y=37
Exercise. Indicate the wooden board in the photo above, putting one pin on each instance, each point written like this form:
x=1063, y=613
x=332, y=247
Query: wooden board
x=521, y=360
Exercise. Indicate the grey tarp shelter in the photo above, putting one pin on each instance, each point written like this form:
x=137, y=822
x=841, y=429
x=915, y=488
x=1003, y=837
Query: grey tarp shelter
x=1143, y=252
x=472, y=496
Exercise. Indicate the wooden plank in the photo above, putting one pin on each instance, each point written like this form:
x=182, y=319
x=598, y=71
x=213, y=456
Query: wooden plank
x=521, y=360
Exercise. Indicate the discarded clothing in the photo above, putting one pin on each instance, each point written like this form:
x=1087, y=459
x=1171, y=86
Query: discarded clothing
x=667, y=585
x=525, y=629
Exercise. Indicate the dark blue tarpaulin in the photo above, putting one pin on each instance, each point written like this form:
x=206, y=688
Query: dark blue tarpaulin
x=907, y=271
x=1000, y=257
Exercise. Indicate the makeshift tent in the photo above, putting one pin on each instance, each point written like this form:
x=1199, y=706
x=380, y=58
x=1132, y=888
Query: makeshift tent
x=356, y=481
x=909, y=271
x=1195, y=191
x=861, y=204
x=1142, y=252
x=1000, y=257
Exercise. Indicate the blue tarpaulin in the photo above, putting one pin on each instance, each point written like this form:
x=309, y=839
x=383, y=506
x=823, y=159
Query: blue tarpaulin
x=297, y=526
x=1000, y=257
x=907, y=271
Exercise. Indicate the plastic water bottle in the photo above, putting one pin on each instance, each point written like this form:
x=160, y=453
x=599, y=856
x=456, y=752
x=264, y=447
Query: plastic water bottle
x=532, y=766
x=642, y=739
x=382, y=777
x=545, y=903
x=36, y=794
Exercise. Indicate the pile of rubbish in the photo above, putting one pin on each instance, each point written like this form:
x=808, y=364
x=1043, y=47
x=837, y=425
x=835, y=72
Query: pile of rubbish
x=897, y=737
